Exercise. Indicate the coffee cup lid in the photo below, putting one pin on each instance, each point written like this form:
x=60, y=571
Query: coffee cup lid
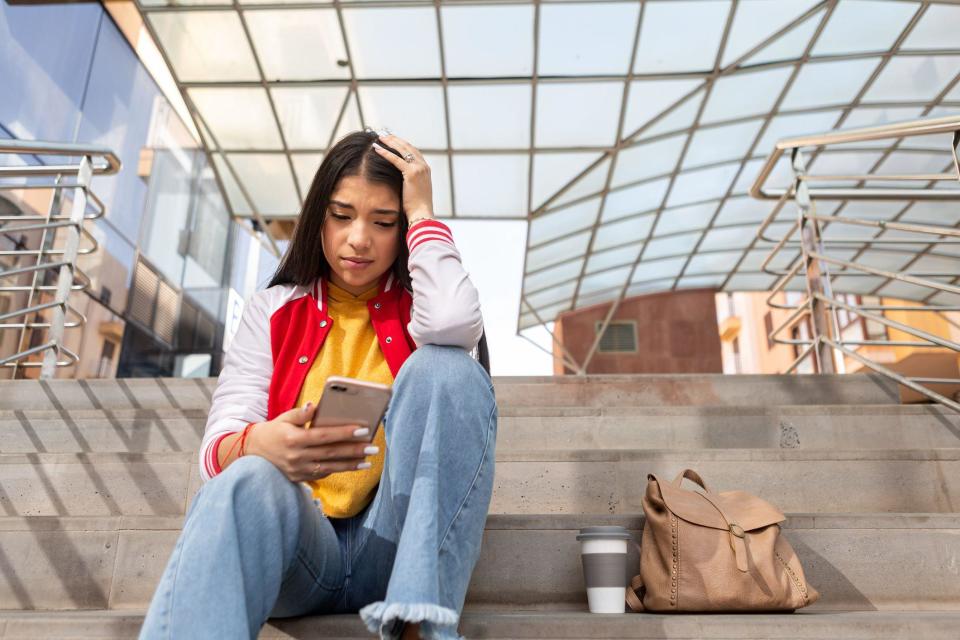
x=606, y=532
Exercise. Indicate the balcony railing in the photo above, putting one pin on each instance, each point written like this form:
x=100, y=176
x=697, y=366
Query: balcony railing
x=818, y=262
x=57, y=173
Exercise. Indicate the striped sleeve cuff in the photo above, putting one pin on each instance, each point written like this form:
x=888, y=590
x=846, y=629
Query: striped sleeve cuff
x=212, y=460
x=428, y=231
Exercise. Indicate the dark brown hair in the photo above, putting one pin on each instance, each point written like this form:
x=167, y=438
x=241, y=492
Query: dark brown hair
x=352, y=155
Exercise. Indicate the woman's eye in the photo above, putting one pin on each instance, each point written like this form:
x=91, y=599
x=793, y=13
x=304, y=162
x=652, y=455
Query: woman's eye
x=387, y=225
x=338, y=216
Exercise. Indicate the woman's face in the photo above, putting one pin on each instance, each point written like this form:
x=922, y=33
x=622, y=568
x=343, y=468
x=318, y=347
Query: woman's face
x=361, y=233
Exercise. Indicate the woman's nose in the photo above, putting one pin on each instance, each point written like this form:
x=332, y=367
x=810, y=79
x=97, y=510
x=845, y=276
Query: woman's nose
x=358, y=236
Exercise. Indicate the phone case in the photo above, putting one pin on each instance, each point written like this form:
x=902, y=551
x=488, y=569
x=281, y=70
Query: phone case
x=351, y=401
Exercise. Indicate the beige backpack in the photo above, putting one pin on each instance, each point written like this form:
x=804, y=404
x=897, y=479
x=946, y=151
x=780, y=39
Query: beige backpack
x=714, y=552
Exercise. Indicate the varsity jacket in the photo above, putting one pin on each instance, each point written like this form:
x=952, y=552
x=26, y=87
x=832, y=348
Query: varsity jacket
x=283, y=328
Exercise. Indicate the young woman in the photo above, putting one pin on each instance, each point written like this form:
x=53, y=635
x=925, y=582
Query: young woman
x=292, y=521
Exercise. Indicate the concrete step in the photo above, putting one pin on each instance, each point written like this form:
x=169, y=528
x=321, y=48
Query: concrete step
x=591, y=391
x=857, y=561
x=536, y=481
x=784, y=427
x=539, y=624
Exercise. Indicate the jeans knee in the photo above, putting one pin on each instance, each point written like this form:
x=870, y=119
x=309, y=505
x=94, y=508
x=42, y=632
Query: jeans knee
x=256, y=482
x=441, y=367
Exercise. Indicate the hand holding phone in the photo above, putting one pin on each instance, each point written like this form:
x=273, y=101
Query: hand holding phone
x=351, y=401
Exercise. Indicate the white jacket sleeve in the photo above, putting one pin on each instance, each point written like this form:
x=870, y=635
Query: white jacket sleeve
x=446, y=306
x=244, y=383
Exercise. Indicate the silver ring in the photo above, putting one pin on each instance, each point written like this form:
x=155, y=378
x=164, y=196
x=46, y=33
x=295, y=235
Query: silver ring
x=408, y=157
x=316, y=469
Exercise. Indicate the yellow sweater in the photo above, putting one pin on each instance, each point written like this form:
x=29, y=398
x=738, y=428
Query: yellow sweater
x=350, y=349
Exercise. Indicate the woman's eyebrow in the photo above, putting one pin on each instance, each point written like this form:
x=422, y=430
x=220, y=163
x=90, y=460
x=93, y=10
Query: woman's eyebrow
x=347, y=205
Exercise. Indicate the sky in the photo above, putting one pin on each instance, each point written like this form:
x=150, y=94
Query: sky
x=492, y=253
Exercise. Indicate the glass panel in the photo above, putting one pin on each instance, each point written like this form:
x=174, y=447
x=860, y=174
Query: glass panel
x=701, y=281
x=712, y=262
x=600, y=296
x=888, y=260
x=842, y=163
x=563, y=221
x=783, y=260
x=744, y=210
x=351, y=118
x=548, y=314
x=944, y=213
x=647, y=160
x=936, y=263
x=651, y=286
x=789, y=46
x=828, y=83
x=856, y=284
x=440, y=180
x=305, y=166
x=729, y=238
x=613, y=257
x=578, y=114
x=696, y=216
x=721, y=143
x=793, y=125
x=649, y=98
x=757, y=20
x=913, y=162
x=592, y=182
x=680, y=36
x=937, y=29
x=237, y=202
x=468, y=32
x=551, y=296
x=554, y=275
x=643, y=197
x=615, y=233
x=298, y=44
x=552, y=171
x=680, y=119
x=751, y=282
x=745, y=94
x=780, y=177
x=268, y=180
x=703, y=184
x=858, y=26
x=566, y=48
x=937, y=142
x=490, y=116
x=556, y=252
x=657, y=269
x=415, y=113
x=476, y=197
x=308, y=114
x=205, y=45
x=374, y=34
x=671, y=246
x=914, y=78
x=604, y=280
x=238, y=118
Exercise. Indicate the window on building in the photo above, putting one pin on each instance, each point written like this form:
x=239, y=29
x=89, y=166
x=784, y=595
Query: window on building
x=106, y=359
x=620, y=337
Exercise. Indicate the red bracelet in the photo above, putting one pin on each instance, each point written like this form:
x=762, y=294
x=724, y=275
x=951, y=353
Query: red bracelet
x=243, y=439
x=240, y=441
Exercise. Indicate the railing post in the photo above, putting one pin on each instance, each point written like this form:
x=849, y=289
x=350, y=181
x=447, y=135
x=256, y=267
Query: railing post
x=817, y=273
x=65, y=278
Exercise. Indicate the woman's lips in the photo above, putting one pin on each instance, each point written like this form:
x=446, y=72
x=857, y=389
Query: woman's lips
x=355, y=264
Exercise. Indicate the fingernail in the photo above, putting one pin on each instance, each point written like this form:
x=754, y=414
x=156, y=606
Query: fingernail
x=362, y=431
x=364, y=465
x=371, y=449
x=308, y=406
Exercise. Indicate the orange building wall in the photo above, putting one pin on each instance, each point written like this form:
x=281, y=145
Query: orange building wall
x=676, y=333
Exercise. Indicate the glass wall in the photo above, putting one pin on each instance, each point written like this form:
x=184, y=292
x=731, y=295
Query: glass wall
x=161, y=277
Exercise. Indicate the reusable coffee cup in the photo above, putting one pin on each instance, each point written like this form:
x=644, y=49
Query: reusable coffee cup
x=603, y=551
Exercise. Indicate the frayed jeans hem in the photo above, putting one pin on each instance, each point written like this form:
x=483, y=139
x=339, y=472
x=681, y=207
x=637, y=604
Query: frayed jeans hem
x=436, y=622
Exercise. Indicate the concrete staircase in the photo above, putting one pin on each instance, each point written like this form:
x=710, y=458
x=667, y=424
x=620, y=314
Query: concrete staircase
x=95, y=477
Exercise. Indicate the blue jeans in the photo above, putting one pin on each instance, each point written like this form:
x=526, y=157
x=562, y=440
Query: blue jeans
x=255, y=545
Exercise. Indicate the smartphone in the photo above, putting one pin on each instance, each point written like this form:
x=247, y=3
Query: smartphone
x=351, y=401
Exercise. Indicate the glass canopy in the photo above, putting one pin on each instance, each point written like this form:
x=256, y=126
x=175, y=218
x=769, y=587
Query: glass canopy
x=627, y=133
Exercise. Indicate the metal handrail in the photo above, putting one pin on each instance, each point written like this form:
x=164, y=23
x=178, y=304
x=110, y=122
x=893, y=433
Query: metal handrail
x=92, y=160
x=819, y=307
